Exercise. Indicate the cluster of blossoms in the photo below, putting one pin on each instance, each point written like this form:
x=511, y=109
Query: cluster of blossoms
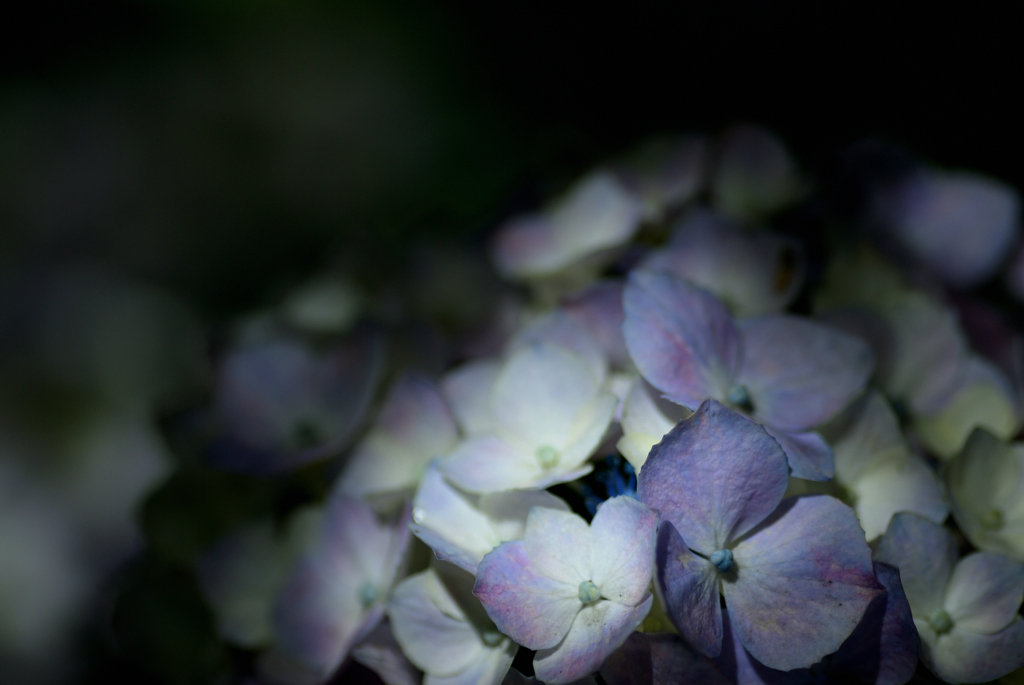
x=682, y=447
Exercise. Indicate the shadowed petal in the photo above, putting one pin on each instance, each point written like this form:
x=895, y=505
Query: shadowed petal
x=808, y=455
x=715, y=476
x=689, y=587
x=984, y=593
x=962, y=656
x=800, y=373
x=681, y=338
x=598, y=309
x=490, y=669
x=646, y=418
x=924, y=552
x=599, y=629
x=532, y=609
x=736, y=664
x=804, y=579
x=653, y=659
x=754, y=174
x=883, y=648
x=622, y=549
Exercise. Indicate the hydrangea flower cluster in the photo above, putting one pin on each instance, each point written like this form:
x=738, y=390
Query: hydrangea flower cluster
x=692, y=444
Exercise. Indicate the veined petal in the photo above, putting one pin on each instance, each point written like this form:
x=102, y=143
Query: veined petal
x=622, y=549
x=558, y=544
x=800, y=373
x=689, y=587
x=984, y=592
x=803, y=581
x=530, y=608
x=808, y=455
x=599, y=629
x=715, y=476
x=681, y=338
x=925, y=553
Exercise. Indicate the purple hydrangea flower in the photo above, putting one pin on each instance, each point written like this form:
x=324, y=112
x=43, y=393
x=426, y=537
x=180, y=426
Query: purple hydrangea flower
x=572, y=592
x=797, y=578
x=790, y=374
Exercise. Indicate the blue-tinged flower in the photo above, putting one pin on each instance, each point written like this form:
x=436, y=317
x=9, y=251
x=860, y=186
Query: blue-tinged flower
x=966, y=610
x=797, y=578
x=283, y=405
x=754, y=174
x=462, y=528
x=752, y=272
x=572, y=592
x=986, y=491
x=790, y=374
x=876, y=472
x=336, y=594
x=414, y=427
x=549, y=412
x=444, y=630
x=596, y=215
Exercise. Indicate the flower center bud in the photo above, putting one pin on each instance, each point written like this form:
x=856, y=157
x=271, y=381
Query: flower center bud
x=367, y=593
x=589, y=592
x=722, y=559
x=547, y=456
x=739, y=397
x=491, y=637
x=940, y=621
x=993, y=520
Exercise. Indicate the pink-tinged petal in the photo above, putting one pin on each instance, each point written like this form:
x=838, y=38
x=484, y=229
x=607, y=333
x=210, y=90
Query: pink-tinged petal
x=652, y=659
x=962, y=656
x=737, y=666
x=622, y=549
x=984, y=592
x=468, y=391
x=959, y=224
x=557, y=328
x=539, y=393
x=753, y=272
x=598, y=309
x=715, y=476
x=488, y=464
x=558, y=544
x=924, y=552
x=599, y=629
x=689, y=588
x=434, y=641
x=754, y=174
x=883, y=649
x=530, y=608
x=808, y=455
x=800, y=373
x=490, y=669
x=681, y=338
x=803, y=581
x=904, y=484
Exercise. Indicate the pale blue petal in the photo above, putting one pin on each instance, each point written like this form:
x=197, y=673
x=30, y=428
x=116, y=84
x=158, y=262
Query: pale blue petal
x=622, y=549
x=808, y=455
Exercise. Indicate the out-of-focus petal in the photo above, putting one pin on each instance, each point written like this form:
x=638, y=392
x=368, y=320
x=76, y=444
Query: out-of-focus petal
x=599, y=629
x=715, y=476
x=800, y=373
x=382, y=654
x=558, y=545
x=962, y=656
x=925, y=553
x=622, y=549
x=468, y=391
x=985, y=399
x=557, y=328
x=689, y=586
x=650, y=659
x=754, y=273
x=984, y=592
x=646, y=418
x=808, y=455
x=804, y=579
x=598, y=309
x=487, y=464
x=681, y=338
x=490, y=669
x=754, y=173
x=665, y=173
x=530, y=608
x=905, y=483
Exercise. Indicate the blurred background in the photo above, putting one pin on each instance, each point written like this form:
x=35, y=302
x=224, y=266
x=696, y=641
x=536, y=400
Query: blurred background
x=167, y=169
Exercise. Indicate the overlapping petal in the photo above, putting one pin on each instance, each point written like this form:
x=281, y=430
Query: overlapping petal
x=984, y=592
x=968, y=657
x=689, y=585
x=622, y=549
x=925, y=553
